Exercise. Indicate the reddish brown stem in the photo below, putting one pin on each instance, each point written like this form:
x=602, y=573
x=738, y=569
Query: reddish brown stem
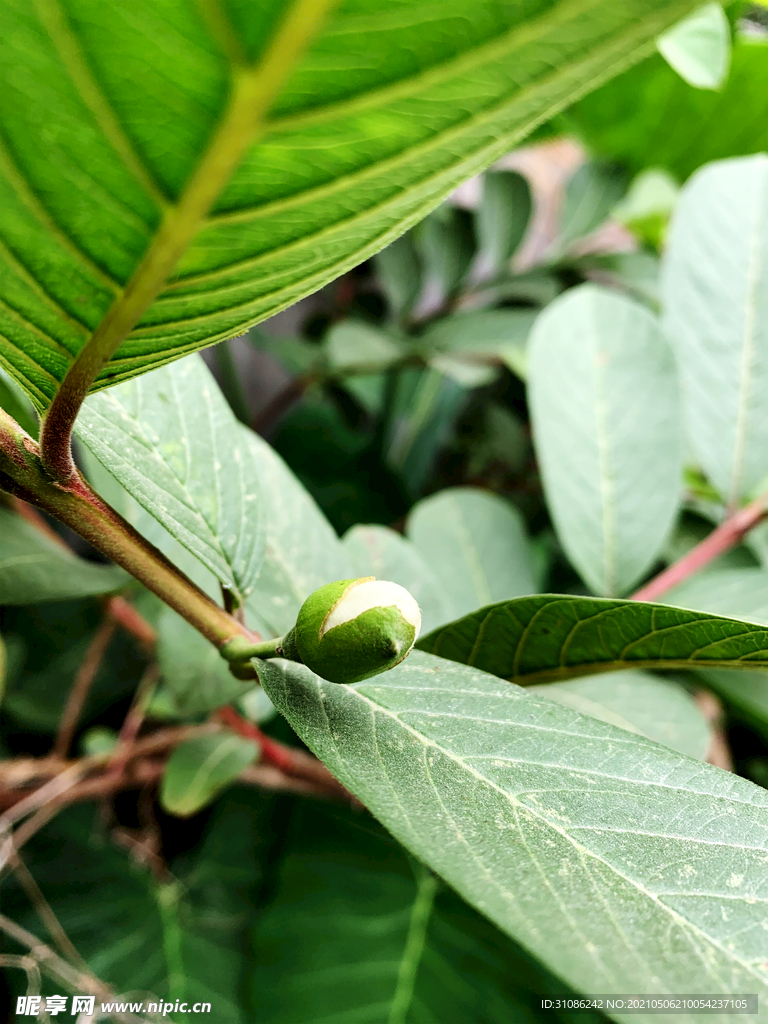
x=126, y=616
x=271, y=751
x=726, y=536
x=291, y=762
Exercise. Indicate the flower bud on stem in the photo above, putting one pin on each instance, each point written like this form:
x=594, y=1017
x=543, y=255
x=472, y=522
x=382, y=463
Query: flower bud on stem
x=345, y=632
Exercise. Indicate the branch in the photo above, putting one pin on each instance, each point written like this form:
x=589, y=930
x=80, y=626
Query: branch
x=726, y=536
x=77, y=506
x=252, y=92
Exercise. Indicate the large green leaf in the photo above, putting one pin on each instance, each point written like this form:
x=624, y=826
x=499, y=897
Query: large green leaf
x=174, y=444
x=715, y=290
x=301, y=551
x=676, y=126
x=476, y=545
x=138, y=135
x=550, y=637
x=604, y=404
x=35, y=568
x=355, y=932
x=622, y=865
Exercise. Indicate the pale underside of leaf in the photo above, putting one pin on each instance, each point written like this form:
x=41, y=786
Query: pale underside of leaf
x=714, y=276
x=623, y=865
x=476, y=545
x=604, y=406
x=174, y=444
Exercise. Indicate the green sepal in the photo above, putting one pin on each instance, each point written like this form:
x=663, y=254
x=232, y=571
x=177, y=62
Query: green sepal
x=373, y=642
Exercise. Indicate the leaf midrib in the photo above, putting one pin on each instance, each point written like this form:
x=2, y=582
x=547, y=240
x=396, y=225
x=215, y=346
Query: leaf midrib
x=478, y=158
x=253, y=89
x=582, y=850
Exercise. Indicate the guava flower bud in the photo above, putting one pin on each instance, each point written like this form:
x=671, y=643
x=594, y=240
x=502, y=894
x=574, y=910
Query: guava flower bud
x=353, y=629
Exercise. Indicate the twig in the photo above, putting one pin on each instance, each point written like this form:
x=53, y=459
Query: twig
x=44, y=910
x=76, y=980
x=133, y=720
x=48, y=792
x=82, y=685
x=722, y=539
x=126, y=616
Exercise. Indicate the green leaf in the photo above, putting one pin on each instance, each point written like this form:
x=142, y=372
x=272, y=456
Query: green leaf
x=606, y=431
x=354, y=930
x=497, y=335
x=198, y=769
x=301, y=551
x=97, y=198
x=380, y=552
x=446, y=242
x=503, y=216
x=593, y=847
x=699, y=47
x=677, y=127
x=550, y=637
x=399, y=270
x=590, y=196
x=426, y=406
x=175, y=445
x=715, y=290
x=648, y=205
x=14, y=401
x=34, y=568
x=354, y=346
x=639, y=702
x=476, y=545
